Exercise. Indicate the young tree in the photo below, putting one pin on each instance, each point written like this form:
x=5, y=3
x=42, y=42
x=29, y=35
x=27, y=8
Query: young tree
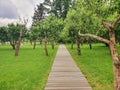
x=13, y=34
x=73, y=28
x=54, y=26
x=34, y=34
x=23, y=29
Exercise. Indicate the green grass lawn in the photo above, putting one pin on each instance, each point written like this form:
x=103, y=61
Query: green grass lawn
x=28, y=71
x=96, y=64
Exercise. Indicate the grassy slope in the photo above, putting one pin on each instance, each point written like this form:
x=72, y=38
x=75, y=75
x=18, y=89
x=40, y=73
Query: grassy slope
x=96, y=64
x=28, y=71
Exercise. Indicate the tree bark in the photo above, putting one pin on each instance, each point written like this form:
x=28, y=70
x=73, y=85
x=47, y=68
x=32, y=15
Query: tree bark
x=18, y=44
x=34, y=44
x=116, y=60
x=90, y=43
x=52, y=44
x=81, y=41
x=31, y=42
x=95, y=37
x=40, y=42
x=13, y=43
x=13, y=46
x=45, y=45
x=78, y=47
x=72, y=42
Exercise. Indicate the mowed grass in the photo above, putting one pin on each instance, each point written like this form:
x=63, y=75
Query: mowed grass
x=28, y=71
x=96, y=65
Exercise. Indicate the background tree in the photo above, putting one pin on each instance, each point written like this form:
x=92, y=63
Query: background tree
x=13, y=34
x=72, y=29
x=59, y=7
x=39, y=13
x=3, y=34
x=34, y=34
x=23, y=30
x=54, y=26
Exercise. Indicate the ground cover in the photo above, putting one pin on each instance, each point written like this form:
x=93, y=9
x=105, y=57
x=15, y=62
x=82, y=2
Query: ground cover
x=28, y=71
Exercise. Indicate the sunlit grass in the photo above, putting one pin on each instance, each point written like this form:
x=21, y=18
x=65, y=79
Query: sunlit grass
x=96, y=64
x=28, y=71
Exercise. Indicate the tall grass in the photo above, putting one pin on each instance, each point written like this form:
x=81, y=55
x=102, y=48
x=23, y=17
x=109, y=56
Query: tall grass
x=28, y=71
x=96, y=64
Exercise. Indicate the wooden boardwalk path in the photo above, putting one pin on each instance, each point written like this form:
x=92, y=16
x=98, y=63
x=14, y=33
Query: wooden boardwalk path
x=65, y=75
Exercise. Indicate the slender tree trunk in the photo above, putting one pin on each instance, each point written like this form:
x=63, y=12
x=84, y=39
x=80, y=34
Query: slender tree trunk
x=90, y=43
x=12, y=44
x=34, y=44
x=78, y=47
x=81, y=41
x=52, y=44
x=40, y=42
x=18, y=44
x=31, y=42
x=72, y=42
x=45, y=45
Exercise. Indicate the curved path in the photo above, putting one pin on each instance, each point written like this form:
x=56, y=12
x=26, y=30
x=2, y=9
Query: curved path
x=65, y=75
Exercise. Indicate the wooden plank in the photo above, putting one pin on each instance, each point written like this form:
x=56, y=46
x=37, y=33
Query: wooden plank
x=68, y=88
x=70, y=84
x=66, y=81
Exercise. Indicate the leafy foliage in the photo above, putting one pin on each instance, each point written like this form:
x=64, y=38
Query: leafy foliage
x=3, y=34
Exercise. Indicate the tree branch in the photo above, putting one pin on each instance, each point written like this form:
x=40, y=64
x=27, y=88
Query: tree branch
x=95, y=37
x=107, y=25
x=115, y=22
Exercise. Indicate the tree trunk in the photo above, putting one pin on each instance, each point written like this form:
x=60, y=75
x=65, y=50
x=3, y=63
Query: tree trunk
x=12, y=44
x=78, y=47
x=90, y=43
x=107, y=45
x=45, y=43
x=81, y=41
x=72, y=42
x=52, y=44
x=18, y=44
x=31, y=42
x=40, y=42
x=116, y=60
x=113, y=51
x=34, y=44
